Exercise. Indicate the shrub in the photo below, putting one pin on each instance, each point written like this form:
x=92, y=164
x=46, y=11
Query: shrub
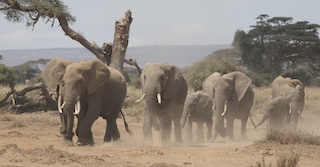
x=283, y=161
x=292, y=137
x=203, y=69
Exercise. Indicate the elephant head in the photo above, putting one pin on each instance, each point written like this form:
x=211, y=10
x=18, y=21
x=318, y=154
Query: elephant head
x=157, y=82
x=295, y=97
x=276, y=110
x=73, y=80
x=293, y=91
x=226, y=91
x=195, y=103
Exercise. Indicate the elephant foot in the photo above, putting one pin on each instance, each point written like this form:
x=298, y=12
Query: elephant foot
x=62, y=130
x=67, y=142
x=84, y=144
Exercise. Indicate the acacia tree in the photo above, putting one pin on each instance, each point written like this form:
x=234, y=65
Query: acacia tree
x=31, y=11
x=52, y=11
x=277, y=43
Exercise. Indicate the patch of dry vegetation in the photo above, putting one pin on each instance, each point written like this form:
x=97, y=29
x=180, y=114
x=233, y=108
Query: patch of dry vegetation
x=283, y=161
x=292, y=137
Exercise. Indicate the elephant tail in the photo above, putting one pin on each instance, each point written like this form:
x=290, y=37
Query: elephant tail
x=255, y=127
x=125, y=123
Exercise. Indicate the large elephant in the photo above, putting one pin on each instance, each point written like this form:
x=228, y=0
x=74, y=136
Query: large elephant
x=293, y=91
x=88, y=89
x=232, y=95
x=198, y=108
x=276, y=110
x=165, y=90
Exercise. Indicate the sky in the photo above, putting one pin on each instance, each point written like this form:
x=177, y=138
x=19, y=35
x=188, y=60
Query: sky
x=156, y=22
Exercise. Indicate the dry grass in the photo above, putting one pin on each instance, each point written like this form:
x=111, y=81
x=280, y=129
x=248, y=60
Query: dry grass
x=292, y=137
x=283, y=161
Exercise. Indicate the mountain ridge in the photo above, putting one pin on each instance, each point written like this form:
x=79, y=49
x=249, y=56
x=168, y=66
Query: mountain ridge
x=180, y=55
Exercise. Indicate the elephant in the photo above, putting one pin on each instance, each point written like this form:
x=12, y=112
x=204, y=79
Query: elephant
x=165, y=90
x=87, y=89
x=293, y=91
x=232, y=95
x=276, y=110
x=198, y=108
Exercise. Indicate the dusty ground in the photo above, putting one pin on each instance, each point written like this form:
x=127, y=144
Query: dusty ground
x=33, y=139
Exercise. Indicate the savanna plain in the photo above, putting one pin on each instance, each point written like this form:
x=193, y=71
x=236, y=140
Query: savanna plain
x=33, y=139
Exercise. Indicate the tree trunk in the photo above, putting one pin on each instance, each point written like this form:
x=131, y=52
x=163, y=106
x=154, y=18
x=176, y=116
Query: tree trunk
x=120, y=41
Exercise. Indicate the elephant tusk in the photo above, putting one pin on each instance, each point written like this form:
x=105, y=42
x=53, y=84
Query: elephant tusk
x=64, y=103
x=13, y=101
x=77, y=108
x=159, y=98
x=59, y=104
x=290, y=111
x=224, y=111
x=141, y=98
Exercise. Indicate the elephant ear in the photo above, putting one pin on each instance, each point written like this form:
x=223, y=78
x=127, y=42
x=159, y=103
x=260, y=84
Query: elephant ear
x=99, y=73
x=241, y=83
x=208, y=83
x=53, y=72
x=171, y=72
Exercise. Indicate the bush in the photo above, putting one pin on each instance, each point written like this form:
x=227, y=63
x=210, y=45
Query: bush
x=300, y=74
x=260, y=80
x=292, y=137
x=201, y=70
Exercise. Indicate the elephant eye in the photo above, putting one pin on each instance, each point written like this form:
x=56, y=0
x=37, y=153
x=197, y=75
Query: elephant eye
x=62, y=83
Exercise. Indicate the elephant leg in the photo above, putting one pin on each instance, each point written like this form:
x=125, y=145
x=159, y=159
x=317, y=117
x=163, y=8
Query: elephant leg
x=84, y=129
x=112, y=128
x=244, y=128
x=200, y=131
x=177, y=130
x=209, y=124
x=116, y=133
x=189, y=130
x=230, y=123
x=146, y=127
x=165, y=130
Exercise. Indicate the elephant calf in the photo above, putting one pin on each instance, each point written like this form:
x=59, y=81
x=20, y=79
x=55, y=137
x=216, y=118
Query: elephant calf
x=276, y=109
x=197, y=108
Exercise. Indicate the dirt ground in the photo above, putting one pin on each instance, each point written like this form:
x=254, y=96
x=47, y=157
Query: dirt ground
x=33, y=139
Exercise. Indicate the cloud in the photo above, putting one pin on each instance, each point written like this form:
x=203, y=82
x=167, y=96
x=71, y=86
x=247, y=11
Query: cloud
x=20, y=39
x=187, y=30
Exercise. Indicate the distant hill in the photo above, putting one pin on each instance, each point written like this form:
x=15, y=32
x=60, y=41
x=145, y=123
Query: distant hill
x=180, y=55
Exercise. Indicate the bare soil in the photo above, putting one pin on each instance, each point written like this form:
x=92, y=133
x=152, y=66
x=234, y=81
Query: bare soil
x=33, y=139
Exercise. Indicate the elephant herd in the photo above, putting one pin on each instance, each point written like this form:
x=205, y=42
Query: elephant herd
x=89, y=89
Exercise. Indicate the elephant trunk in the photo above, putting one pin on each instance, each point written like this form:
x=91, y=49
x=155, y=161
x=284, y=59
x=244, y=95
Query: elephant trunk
x=264, y=118
x=184, y=117
x=68, y=112
x=219, y=125
x=151, y=109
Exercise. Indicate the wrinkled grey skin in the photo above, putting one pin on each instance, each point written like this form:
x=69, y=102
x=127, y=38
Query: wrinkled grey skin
x=100, y=89
x=293, y=91
x=276, y=110
x=198, y=109
x=234, y=91
x=168, y=81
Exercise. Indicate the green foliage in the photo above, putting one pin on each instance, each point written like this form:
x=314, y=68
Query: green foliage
x=222, y=61
x=45, y=9
x=276, y=44
x=300, y=74
x=6, y=73
x=260, y=79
